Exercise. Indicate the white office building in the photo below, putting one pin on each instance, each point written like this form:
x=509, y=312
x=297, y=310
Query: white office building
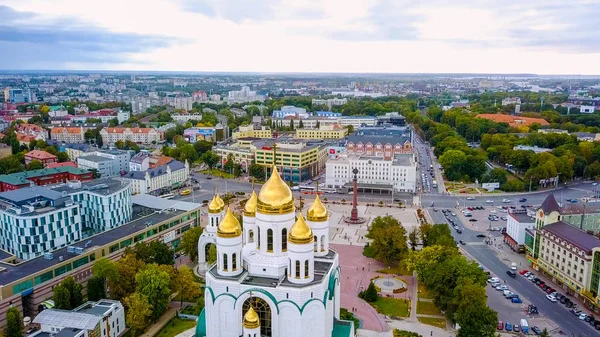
x=172, y=175
x=398, y=174
x=288, y=110
x=243, y=96
x=107, y=162
x=105, y=318
x=516, y=223
x=140, y=162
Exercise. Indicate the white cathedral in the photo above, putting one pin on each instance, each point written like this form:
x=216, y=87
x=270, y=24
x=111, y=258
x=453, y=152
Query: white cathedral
x=276, y=276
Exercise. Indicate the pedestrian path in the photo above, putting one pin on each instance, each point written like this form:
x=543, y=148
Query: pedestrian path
x=188, y=333
x=154, y=328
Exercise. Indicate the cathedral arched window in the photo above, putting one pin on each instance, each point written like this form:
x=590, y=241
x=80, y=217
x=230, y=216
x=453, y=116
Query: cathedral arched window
x=250, y=236
x=284, y=239
x=263, y=310
x=323, y=238
x=225, y=267
x=306, y=273
x=316, y=242
x=297, y=269
x=269, y=240
x=234, y=261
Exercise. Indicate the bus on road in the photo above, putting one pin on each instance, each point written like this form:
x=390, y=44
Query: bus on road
x=168, y=196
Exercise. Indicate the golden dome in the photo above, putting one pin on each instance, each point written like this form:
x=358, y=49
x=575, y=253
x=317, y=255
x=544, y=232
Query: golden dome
x=251, y=319
x=300, y=233
x=250, y=207
x=317, y=211
x=229, y=227
x=215, y=206
x=275, y=196
x=220, y=201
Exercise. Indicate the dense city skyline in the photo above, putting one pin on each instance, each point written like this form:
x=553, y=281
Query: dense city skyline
x=542, y=37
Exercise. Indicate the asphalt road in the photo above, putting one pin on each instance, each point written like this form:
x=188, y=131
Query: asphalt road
x=424, y=157
x=487, y=257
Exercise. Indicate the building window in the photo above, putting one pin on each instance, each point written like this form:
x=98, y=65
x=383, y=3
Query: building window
x=258, y=237
x=284, y=240
x=225, y=262
x=269, y=240
x=234, y=261
x=306, y=273
x=297, y=269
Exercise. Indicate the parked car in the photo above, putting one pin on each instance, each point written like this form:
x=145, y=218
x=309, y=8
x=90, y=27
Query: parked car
x=536, y=330
x=516, y=300
x=507, y=326
x=551, y=298
x=516, y=328
x=462, y=242
x=524, y=271
x=493, y=280
x=500, y=325
x=481, y=235
x=473, y=220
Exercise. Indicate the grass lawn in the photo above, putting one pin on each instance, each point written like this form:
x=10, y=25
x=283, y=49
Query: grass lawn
x=175, y=327
x=218, y=173
x=392, y=307
x=437, y=322
x=427, y=308
x=423, y=292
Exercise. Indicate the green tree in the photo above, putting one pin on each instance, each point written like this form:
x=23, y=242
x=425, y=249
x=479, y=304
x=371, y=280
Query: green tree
x=124, y=284
x=545, y=333
x=189, y=242
x=211, y=257
x=202, y=147
x=413, y=238
x=14, y=323
x=184, y=283
x=105, y=268
x=477, y=320
x=388, y=239
x=154, y=283
x=453, y=162
x=154, y=252
x=210, y=159
x=62, y=157
x=95, y=288
x=68, y=294
x=256, y=171
x=138, y=311
x=35, y=165
x=369, y=295
x=592, y=171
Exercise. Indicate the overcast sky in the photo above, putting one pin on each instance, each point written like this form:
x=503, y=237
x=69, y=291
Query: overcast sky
x=429, y=36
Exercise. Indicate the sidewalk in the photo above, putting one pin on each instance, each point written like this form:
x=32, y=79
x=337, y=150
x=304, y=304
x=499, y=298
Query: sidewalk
x=154, y=328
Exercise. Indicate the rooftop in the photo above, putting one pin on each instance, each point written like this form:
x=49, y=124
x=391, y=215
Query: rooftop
x=573, y=236
x=67, y=319
x=174, y=165
x=102, y=186
x=522, y=217
x=38, y=154
x=95, y=158
x=513, y=120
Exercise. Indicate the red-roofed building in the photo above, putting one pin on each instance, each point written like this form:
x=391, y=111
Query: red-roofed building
x=43, y=156
x=514, y=121
x=68, y=135
x=136, y=135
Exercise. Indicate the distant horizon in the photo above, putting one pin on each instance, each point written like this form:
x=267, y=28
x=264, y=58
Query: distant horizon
x=197, y=72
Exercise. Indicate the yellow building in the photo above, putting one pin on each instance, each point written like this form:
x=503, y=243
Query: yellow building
x=297, y=161
x=240, y=152
x=323, y=132
x=245, y=131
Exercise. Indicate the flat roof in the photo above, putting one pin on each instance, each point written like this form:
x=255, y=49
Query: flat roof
x=103, y=186
x=23, y=194
x=16, y=272
x=23, y=177
x=150, y=201
x=522, y=217
x=94, y=158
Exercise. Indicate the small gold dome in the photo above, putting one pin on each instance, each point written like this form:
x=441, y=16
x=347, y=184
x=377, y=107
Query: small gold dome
x=250, y=207
x=215, y=206
x=275, y=196
x=251, y=319
x=229, y=227
x=300, y=233
x=220, y=201
x=317, y=211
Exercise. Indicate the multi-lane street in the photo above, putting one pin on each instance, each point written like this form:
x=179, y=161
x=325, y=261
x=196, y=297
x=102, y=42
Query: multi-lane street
x=487, y=257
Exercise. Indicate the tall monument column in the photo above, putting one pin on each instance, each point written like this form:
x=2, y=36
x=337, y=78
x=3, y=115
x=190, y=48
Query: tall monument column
x=354, y=219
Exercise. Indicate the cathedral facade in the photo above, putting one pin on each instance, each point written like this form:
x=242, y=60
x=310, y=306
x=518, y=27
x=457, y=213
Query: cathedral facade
x=274, y=277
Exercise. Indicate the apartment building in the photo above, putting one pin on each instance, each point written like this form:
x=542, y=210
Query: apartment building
x=183, y=118
x=68, y=135
x=136, y=135
x=380, y=141
x=140, y=162
x=74, y=151
x=47, y=176
x=375, y=174
x=517, y=222
x=41, y=156
x=107, y=162
x=244, y=131
x=323, y=132
x=329, y=102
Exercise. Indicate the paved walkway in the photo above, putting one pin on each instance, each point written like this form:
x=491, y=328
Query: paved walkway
x=154, y=328
x=188, y=333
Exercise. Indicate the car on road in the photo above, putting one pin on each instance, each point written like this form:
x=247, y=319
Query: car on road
x=516, y=300
x=493, y=280
x=481, y=235
x=524, y=271
x=489, y=201
x=523, y=200
x=500, y=325
x=582, y=316
x=516, y=328
x=505, y=201
x=502, y=287
x=551, y=298
x=594, y=184
x=536, y=330
x=507, y=326
x=473, y=198
x=493, y=211
x=462, y=242
x=473, y=220
x=511, y=273
x=503, y=218
x=453, y=214
x=459, y=231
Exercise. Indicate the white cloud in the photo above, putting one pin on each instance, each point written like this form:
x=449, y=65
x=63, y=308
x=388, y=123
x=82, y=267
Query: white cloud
x=510, y=36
